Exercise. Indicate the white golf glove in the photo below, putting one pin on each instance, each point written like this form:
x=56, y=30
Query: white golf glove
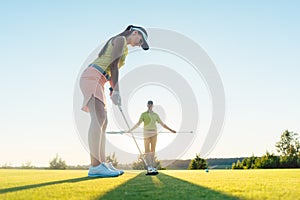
x=116, y=98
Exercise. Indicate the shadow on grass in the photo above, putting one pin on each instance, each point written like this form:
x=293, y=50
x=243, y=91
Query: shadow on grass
x=162, y=187
x=25, y=187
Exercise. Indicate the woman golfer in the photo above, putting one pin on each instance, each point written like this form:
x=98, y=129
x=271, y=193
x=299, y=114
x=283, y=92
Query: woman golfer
x=150, y=134
x=105, y=68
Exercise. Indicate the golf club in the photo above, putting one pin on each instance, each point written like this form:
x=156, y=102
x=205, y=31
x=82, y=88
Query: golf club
x=122, y=132
x=120, y=108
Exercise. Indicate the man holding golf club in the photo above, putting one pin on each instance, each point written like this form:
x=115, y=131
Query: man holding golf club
x=150, y=118
x=104, y=69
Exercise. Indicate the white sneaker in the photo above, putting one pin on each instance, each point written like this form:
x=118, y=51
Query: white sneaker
x=112, y=168
x=150, y=170
x=102, y=171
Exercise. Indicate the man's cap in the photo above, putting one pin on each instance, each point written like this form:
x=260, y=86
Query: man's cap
x=150, y=102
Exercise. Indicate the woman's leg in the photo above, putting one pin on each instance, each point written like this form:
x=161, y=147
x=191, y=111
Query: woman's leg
x=103, y=139
x=96, y=136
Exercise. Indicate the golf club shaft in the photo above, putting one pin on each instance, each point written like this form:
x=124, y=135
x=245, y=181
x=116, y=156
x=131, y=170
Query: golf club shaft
x=131, y=132
x=122, y=132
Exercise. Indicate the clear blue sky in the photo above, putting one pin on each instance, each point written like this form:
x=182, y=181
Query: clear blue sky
x=255, y=46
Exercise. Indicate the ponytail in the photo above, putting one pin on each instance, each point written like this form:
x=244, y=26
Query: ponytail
x=125, y=33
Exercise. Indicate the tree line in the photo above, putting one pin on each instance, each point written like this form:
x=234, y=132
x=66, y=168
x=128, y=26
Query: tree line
x=288, y=148
x=289, y=155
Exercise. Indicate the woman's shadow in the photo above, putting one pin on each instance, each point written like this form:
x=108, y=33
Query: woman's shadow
x=25, y=187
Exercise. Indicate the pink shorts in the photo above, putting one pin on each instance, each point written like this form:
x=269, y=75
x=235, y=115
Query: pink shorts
x=92, y=84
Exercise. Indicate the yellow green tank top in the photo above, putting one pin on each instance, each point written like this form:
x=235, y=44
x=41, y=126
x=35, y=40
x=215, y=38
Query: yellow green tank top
x=150, y=119
x=105, y=60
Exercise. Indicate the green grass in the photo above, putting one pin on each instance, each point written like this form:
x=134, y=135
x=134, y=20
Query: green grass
x=169, y=184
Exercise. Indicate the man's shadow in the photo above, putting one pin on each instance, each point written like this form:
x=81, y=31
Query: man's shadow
x=162, y=186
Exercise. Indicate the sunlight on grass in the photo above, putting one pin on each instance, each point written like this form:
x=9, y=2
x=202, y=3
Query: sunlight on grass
x=248, y=184
x=57, y=184
x=169, y=184
x=162, y=187
x=157, y=183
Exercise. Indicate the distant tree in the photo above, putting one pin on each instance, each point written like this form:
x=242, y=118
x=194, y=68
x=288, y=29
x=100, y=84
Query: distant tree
x=233, y=166
x=6, y=166
x=250, y=162
x=140, y=165
x=113, y=159
x=247, y=163
x=222, y=163
x=27, y=165
x=198, y=163
x=289, y=148
x=57, y=163
x=237, y=165
x=289, y=161
x=268, y=161
x=289, y=144
x=85, y=167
